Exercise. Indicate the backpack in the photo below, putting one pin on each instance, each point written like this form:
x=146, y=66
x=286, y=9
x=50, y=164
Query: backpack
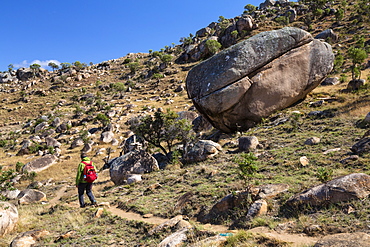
x=89, y=172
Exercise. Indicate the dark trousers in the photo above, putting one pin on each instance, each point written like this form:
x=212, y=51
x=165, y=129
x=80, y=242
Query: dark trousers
x=81, y=190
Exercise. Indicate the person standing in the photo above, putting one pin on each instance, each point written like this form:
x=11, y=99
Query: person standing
x=83, y=185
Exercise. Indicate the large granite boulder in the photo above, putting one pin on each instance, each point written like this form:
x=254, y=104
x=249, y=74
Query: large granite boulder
x=352, y=186
x=40, y=164
x=8, y=217
x=134, y=162
x=241, y=85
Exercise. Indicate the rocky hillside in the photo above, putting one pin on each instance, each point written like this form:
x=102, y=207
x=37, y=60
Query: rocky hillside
x=308, y=163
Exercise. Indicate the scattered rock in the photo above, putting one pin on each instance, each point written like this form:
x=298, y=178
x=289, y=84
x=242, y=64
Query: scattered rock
x=248, y=143
x=202, y=150
x=135, y=162
x=312, y=141
x=353, y=239
x=352, y=186
x=28, y=196
x=257, y=208
x=40, y=164
x=28, y=239
x=8, y=218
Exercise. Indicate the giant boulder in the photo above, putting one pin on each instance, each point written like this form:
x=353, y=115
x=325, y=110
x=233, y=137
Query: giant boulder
x=238, y=87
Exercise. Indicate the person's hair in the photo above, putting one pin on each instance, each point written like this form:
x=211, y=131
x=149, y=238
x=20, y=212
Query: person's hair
x=83, y=155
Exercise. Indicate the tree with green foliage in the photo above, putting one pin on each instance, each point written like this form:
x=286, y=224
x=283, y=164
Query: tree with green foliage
x=247, y=169
x=223, y=22
x=35, y=68
x=78, y=65
x=65, y=65
x=213, y=46
x=163, y=130
x=249, y=8
x=10, y=67
x=358, y=56
x=54, y=66
x=5, y=179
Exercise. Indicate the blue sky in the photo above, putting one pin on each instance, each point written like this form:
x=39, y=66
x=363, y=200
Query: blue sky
x=38, y=31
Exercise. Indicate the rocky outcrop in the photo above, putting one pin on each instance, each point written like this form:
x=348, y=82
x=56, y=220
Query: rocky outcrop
x=8, y=218
x=238, y=87
x=40, y=164
x=135, y=162
x=352, y=186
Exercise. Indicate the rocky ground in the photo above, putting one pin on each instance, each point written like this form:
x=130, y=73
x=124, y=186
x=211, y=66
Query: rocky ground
x=307, y=145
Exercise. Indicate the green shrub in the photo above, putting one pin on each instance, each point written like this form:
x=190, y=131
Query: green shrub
x=5, y=179
x=282, y=20
x=119, y=86
x=158, y=76
x=213, y=46
x=103, y=119
x=19, y=166
x=324, y=174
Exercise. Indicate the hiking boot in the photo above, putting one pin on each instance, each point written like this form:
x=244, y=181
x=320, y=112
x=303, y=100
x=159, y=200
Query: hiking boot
x=95, y=204
x=82, y=206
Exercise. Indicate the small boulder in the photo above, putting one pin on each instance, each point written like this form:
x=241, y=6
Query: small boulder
x=248, y=143
x=107, y=137
x=135, y=162
x=28, y=196
x=352, y=186
x=202, y=150
x=28, y=239
x=258, y=208
x=8, y=218
x=312, y=141
x=40, y=164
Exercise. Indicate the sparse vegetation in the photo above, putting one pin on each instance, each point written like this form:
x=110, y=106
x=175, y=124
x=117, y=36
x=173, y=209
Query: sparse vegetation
x=130, y=87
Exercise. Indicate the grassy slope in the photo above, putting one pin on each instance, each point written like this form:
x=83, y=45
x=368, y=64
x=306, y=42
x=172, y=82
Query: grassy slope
x=207, y=181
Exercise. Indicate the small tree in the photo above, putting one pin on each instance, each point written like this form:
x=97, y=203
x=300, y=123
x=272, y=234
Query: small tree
x=10, y=67
x=163, y=130
x=249, y=8
x=35, y=68
x=247, y=169
x=54, y=66
x=65, y=65
x=357, y=56
x=5, y=179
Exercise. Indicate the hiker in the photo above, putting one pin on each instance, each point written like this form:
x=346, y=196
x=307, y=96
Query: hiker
x=83, y=183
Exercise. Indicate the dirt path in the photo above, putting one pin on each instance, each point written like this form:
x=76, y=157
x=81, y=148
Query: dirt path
x=295, y=240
